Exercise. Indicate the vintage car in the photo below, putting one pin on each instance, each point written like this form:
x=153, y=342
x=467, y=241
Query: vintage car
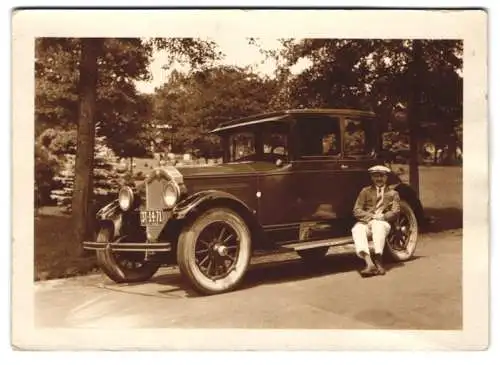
x=288, y=181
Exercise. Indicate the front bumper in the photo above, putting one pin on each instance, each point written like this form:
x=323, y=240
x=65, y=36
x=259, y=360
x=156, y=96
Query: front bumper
x=128, y=247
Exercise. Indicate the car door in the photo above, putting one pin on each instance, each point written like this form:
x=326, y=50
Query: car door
x=315, y=170
x=358, y=154
x=276, y=199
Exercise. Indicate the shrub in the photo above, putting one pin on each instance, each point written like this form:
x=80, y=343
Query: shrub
x=107, y=179
x=46, y=168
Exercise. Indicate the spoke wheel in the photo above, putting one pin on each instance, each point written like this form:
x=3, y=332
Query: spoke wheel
x=123, y=267
x=214, y=251
x=402, y=240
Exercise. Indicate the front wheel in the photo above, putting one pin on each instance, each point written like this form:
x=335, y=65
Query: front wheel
x=123, y=267
x=402, y=239
x=214, y=251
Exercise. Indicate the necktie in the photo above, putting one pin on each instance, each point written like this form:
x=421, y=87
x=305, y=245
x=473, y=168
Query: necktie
x=380, y=199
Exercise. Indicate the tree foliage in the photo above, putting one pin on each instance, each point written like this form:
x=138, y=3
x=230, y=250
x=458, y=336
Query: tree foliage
x=195, y=103
x=84, y=81
x=120, y=109
x=377, y=75
x=106, y=178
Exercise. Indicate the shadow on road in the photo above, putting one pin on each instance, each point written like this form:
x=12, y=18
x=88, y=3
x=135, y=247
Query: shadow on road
x=276, y=272
x=443, y=219
x=296, y=270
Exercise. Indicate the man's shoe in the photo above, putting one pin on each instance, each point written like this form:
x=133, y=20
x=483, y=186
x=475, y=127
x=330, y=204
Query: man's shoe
x=378, y=264
x=370, y=270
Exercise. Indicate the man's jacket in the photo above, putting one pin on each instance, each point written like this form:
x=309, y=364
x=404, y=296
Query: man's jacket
x=364, y=209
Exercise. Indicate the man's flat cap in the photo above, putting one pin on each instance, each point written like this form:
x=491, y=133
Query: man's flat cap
x=380, y=169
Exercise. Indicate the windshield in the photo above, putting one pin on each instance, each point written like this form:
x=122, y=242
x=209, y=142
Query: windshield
x=263, y=145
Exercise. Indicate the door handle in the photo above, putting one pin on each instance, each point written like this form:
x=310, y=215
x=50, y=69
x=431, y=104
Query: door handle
x=344, y=166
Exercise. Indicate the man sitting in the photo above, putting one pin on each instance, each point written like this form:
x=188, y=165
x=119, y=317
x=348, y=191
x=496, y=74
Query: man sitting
x=377, y=205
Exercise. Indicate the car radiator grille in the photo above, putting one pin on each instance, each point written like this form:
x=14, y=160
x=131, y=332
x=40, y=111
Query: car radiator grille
x=154, y=201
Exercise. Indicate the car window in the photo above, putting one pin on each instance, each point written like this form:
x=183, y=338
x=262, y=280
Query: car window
x=319, y=136
x=275, y=143
x=356, y=138
x=241, y=146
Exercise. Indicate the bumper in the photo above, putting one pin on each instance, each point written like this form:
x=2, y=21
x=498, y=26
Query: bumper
x=128, y=247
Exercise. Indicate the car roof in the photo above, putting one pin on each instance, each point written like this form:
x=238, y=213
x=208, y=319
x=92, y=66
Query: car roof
x=284, y=114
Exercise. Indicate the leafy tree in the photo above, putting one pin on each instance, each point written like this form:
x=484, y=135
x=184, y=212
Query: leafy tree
x=421, y=77
x=106, y=179
x=195, y=103
x=46, y=168
x=120, y=109
x=376, y=75
x=84, y=80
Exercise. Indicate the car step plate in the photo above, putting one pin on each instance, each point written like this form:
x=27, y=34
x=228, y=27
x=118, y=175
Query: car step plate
x=339, y=241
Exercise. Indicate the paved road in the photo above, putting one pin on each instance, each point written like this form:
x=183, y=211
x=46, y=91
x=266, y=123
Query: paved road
x=279, y=292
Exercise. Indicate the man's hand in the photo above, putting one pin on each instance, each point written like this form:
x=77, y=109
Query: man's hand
x=378, y=216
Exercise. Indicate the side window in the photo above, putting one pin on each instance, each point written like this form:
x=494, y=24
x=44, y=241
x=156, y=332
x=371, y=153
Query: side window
x=319, y=136
x=241, y=145
x=275, y=143
x=356, y=139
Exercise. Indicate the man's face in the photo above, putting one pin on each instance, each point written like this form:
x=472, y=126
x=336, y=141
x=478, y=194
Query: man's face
x=379, y=179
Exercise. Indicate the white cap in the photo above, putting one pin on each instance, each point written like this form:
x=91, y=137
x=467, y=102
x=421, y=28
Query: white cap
x=379, y=169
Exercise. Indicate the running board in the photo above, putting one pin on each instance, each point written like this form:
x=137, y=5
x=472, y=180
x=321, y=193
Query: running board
x=339, y=241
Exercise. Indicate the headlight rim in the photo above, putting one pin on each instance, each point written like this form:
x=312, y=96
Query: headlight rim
x=130, y=193
x=177, y=190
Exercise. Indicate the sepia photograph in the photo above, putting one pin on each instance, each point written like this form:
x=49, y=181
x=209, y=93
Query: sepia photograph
x=250, y=179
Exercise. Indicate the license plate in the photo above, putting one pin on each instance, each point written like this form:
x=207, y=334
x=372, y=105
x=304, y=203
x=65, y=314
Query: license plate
x=152, y=217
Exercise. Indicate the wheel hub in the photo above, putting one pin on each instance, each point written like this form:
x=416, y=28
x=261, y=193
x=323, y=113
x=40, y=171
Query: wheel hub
x=220, y=249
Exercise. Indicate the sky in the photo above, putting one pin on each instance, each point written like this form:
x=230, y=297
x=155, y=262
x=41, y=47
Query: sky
x=237, y=52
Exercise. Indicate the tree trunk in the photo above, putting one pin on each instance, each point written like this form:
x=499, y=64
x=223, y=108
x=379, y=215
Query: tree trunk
x=414, y=109
x=451, y=157
x=83, y=187
x=131, y=165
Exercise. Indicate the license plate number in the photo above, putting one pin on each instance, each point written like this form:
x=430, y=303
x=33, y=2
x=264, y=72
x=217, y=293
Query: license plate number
x=151, y=217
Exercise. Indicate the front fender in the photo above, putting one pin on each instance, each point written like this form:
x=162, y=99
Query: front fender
x=193, y=205
x=112, y=214
x=205, y=198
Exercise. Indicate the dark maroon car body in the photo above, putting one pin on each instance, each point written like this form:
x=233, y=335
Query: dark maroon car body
x=281, y=172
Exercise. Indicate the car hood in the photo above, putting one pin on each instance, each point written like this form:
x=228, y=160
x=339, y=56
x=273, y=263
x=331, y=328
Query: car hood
x=225, y=169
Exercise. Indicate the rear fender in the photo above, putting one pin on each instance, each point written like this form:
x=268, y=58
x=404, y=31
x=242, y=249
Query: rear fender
x=407, y=193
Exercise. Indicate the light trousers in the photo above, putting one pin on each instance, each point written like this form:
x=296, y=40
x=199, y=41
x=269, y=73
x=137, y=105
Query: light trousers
x=378, y=230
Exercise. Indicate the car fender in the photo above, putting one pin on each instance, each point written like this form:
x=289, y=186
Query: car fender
x=207, y=198
x=111, y=214
x=196, y=203
x=406, y=192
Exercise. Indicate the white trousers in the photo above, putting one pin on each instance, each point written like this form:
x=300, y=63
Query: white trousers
x=378, y=230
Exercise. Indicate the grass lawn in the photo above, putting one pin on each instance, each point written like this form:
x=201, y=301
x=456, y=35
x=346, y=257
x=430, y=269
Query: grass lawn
x=440, y=192
x=52, y=258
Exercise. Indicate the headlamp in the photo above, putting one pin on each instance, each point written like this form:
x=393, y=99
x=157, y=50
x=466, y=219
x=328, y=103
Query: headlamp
x=125, y=198
x=171, y=194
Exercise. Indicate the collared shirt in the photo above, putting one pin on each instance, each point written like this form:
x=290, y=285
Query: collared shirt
x=366, y=204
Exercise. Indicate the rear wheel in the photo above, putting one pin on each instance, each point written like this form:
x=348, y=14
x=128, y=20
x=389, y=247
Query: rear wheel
x=402, y=239
x=214, y=251
x=123, y=267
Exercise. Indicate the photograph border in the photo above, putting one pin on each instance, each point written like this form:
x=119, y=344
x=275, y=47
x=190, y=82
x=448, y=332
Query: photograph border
x=469, y=25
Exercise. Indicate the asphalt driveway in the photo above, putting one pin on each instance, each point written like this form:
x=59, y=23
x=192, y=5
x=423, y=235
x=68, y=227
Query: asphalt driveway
x=279, y=291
